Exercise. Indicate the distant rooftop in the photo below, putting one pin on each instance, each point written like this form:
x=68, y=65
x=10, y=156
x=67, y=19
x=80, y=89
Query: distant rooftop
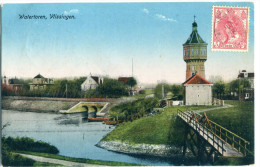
x=39, y=76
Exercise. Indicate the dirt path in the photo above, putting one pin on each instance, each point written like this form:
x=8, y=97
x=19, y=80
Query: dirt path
x=57, y=161
x=215, y=108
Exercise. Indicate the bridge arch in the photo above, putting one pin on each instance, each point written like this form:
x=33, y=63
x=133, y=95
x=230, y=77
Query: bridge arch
x=86, y=107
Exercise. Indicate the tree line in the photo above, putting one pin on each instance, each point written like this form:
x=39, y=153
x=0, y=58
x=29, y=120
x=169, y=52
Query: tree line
x=72, y=89
x=230, y=90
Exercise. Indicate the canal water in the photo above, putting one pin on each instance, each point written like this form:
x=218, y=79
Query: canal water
x=71, y=134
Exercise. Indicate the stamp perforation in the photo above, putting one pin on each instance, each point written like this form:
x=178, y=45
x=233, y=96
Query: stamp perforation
x=213, y=29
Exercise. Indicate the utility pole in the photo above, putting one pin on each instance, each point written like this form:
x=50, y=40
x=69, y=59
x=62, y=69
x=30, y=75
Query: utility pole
x=162, y=91
x=132, y=67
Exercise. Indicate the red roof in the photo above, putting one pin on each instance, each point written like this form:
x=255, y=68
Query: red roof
x=196, y=79
x=123, y=79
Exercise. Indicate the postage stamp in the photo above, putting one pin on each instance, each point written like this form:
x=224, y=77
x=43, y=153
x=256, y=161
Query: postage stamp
x=230, y=28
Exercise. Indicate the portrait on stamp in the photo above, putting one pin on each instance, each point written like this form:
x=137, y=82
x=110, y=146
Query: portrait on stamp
x=230, y=28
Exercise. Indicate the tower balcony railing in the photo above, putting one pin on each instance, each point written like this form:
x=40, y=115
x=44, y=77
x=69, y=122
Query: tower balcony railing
x=195, y=57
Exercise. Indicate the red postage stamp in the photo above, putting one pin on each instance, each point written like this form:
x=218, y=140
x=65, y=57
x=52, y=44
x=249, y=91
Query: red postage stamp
x=230, y=28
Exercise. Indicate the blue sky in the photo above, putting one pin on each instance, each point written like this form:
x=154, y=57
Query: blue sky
x=104, y=38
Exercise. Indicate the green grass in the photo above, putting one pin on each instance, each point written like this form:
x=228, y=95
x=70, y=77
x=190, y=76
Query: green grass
x=165, y=128
x=80, y=160
x=238, y=119
x=162, y=128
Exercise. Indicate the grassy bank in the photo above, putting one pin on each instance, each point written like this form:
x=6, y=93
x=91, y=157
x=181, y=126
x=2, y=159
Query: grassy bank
x=162, y=128
x=238, y=119
x=165, y=128
x=80, y=160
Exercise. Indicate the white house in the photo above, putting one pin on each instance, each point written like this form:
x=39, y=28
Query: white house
x=197, y=91
x=92, y=82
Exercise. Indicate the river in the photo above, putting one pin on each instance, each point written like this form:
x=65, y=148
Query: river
x=72, y=135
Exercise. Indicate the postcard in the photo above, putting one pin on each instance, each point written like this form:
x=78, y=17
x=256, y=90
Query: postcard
x=129, y=83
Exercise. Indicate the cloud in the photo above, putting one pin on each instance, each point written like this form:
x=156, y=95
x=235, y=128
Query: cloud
x=164, y=18
x=158, y=16
x=146, y=11
x=72, y=11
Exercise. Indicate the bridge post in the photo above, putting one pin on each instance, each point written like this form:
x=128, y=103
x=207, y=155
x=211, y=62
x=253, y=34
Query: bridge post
x=185, y=140
x=200, y=148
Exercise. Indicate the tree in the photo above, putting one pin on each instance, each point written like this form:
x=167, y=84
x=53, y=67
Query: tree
x=158, y=90
x=177, y=91
x=239, y=85
x=131, y=82
x=219, y=89
x=112, y=88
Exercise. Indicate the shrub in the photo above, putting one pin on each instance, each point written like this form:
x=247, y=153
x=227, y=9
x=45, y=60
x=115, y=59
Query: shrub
x=28, y=144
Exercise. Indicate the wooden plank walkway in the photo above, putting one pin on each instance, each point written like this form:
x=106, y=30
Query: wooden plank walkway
x=224, y=148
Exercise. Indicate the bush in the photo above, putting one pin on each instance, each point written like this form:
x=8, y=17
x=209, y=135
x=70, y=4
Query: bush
x=130, y=111
x=28, y=144
x=142, y=92
x=12, y=159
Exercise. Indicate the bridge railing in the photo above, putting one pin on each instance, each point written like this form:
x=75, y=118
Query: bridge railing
x=205, y=132
x=231, y=138
x=224, y=134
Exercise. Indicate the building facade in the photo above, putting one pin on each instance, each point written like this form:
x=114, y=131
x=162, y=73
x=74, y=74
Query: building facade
x=247, y=93
x=12, y=84
x=197, y=91
x=40, y=83
x=92, y=82
x=195, y=53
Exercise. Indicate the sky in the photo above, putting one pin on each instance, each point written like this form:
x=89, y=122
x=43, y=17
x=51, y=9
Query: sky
x=105, y=37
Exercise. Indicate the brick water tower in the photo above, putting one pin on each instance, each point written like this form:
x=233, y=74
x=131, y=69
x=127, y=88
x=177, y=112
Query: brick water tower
x=195, y=53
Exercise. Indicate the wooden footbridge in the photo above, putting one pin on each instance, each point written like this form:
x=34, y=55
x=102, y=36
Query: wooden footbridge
x=211, y=137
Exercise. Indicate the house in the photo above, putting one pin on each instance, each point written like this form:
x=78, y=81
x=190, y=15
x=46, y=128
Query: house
x=15, y=84
x=92, y=82
x=248, y=93
x=40, y=82
x=197, y=91
x=12, y=84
